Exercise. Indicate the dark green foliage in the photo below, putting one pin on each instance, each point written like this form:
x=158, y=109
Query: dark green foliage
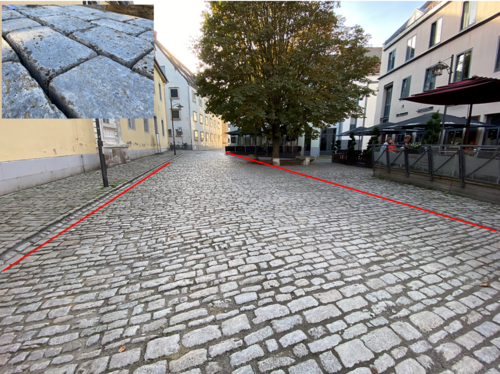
x=338, y=146
x=375, y=133
x=351, y=144
x=431, y=136
x=282, y=67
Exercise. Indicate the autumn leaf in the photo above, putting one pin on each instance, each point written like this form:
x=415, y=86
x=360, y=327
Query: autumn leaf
x=485, y=284
x=122, y=348
x=373, y=370
x=173, y=235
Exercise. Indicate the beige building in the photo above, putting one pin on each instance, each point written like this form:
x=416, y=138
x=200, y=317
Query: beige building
x=465, y=35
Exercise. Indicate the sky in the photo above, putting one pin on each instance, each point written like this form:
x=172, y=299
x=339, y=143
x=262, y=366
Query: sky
x=178, y=22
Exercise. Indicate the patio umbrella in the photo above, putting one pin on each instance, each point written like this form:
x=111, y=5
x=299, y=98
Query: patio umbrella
x=475, y=90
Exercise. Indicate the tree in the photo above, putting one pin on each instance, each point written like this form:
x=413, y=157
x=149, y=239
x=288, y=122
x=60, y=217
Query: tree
x=431, y=136
x=375, y=133
x=281, y=68
x=350, y=144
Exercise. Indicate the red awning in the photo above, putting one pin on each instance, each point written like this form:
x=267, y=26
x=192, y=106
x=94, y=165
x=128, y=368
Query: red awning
x=476, y=90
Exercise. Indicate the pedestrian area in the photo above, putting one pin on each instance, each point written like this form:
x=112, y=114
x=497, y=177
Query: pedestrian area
x=214, y=265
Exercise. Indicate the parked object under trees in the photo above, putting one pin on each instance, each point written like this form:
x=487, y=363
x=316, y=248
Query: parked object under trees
x=281, y=68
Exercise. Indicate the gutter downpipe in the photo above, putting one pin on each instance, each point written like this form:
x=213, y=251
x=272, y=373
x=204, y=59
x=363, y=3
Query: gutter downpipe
x=189, y=106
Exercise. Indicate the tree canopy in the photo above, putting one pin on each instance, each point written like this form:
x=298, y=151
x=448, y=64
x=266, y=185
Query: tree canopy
x=282, y=68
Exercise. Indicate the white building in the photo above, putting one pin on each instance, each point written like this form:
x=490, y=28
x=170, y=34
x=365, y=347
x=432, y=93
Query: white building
x=463, y=34
x=193, y=127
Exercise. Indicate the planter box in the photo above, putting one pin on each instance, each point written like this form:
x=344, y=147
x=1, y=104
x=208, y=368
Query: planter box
x=412, y=151
x=336, y=158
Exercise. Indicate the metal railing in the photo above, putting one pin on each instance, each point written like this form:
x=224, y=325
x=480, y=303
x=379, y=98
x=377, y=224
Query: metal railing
x=462, y=162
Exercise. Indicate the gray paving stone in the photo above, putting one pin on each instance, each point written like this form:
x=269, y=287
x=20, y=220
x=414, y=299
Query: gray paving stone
x=244, y=370
x=96, y=366
x=162, y=347
x=10, y=14
x=426, y=321
x=328, y=297
x=324, y=344
x=470, y=339
x=18, y=24
x=467, y=365
x=270, y=312
x=31, y=46
x=235, y=325
x=353, y=352
x=259, y=335
x=119, y=26
x=488, y=354
x=125, y=359
x=201, y=336
x=310, y=367
x=293, y=337
x=148, y=35
x=384, y=362
x=302, y=303
x=287, y=323
x=65, y=24
x=353, y=303
x=125, y=49
x=330, y=363
x=22, y=97
x=159, y=367
x=273, y=363
x=133, y=94
x=189, y=360
x=141, y=22
x=381, y=339
x=245, y=298
x=409, y=366
x=321, y=313
x=225, y=346
x=8, y=53
x=245, y=355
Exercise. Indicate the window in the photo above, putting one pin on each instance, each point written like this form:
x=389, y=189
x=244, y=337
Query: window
x=468, y=14
x=430, y=80
x=195, y=134
x=200, y=102
x=206, y=120
x=163, y=69
x=174, y=93
x=146, y=125
x=194, y=97
x=169, y=133
x=462, y=67
x=497, y=64
x=201, y=118
x=176, y=114
x=162, y=128
x=202, y=136
x=159, y=90
x=436, y=28
x=392, y=60
x=387, y=105
x=156, y=125
x=405, y=87
x=105, y=120
x=211, y=137
x=195, y=116
x=131, y=124
x=410, y=48
x=352, y=126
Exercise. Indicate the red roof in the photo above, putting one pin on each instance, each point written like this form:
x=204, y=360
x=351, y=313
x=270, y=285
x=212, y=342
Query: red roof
x=476, y=90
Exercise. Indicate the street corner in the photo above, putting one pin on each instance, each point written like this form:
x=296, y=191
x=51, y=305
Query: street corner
x=50, y=41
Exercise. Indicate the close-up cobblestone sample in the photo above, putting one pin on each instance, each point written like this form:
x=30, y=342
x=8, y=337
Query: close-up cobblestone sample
x=53, y=40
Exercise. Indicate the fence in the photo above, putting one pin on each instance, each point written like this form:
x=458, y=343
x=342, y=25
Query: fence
x=464, y=163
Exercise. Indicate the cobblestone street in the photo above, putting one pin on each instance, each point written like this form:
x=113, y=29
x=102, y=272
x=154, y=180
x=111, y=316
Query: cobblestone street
x=215, y=265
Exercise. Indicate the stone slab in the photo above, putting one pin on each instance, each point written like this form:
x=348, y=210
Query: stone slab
x=8, y=53
x=35, y=13
x=144, y=23
x=149, y=36
x=10, y=14
x=146, y=66
x=105, y=89
x=113, y=16
x=47, y=53
x=122, y=48
x=119, y=26
x=22, y=97
x=18, y=24
x=65, y=24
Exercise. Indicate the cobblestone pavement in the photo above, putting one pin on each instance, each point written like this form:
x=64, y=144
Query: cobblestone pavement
x=60, y=60
x=214, y=265
x=25, y=212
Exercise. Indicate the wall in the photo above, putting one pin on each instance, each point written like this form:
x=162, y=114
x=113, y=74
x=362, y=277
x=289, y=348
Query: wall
x=484, y=43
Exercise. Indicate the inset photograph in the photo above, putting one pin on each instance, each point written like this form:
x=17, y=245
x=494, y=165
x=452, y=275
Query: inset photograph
x=77, y=61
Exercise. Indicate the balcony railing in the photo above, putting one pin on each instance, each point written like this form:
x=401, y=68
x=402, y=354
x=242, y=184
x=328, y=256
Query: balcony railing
x=463, y=162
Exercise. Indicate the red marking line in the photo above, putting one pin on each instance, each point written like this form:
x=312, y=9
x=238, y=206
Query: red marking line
x=363, y=192
x=88, y=215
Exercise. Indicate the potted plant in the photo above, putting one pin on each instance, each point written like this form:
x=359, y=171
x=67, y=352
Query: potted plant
x=336, y=154
x=415, y=148
x=351, y=151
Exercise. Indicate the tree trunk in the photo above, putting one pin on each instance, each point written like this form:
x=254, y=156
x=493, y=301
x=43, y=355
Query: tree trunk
x=276, y=148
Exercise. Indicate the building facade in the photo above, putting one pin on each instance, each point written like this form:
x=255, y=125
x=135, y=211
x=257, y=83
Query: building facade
x=465, y=35
x=192, y=127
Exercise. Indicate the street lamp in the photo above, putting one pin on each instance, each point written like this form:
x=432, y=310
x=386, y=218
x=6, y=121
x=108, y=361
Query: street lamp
x=437, y=70
x=178, y=106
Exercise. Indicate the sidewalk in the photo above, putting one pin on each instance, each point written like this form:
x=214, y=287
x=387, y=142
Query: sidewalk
x=25, y=213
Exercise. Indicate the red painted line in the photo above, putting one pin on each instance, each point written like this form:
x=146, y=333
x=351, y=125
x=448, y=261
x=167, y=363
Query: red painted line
x=363, y=192
x=88, y=215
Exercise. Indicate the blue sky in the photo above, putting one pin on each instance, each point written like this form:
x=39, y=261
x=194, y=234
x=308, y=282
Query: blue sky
x=177, y=22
